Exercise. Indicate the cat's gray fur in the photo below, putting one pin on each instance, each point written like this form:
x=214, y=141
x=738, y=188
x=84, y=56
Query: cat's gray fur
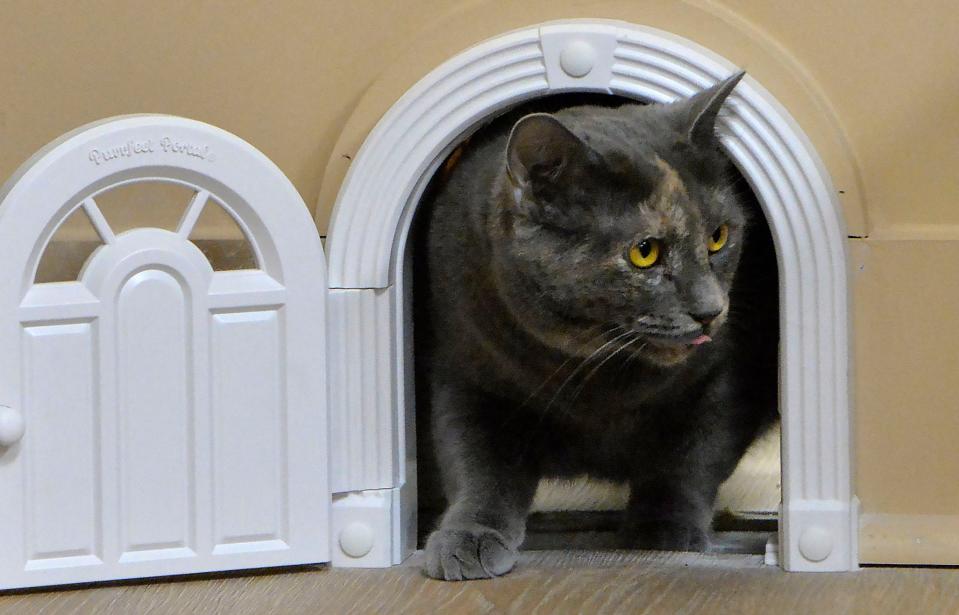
x=549, y=354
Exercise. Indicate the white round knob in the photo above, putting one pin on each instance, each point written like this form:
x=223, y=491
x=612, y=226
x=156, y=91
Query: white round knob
x=577, y=59
x=815, y=544
x=11, y=426
x=356, y=539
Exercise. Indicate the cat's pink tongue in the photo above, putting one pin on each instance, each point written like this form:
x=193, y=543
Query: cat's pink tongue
x=702, y=339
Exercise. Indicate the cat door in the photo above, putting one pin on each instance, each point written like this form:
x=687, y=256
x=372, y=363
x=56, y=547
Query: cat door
x=375, y=469
x=162, y=407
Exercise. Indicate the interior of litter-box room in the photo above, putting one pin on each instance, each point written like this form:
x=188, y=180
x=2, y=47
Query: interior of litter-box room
x=855, y=177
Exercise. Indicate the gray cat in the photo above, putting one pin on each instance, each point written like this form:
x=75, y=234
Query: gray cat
x=592, y=309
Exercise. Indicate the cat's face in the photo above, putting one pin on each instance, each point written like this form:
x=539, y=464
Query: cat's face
x=625, y=221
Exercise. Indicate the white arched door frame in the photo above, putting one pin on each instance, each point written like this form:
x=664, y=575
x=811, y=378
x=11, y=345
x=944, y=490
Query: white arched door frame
x=373, y=457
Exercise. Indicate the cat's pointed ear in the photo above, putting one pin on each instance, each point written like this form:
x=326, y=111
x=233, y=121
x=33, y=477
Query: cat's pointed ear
x=703, y=108
x=541, y=151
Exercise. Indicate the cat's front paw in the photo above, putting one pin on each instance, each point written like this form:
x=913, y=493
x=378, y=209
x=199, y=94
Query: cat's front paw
x=457, y=554
x=665, y=535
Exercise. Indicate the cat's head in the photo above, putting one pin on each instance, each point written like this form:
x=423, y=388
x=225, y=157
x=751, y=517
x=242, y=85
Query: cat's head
x=623, y=220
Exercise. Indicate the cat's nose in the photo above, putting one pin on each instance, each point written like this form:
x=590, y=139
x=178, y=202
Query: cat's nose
x=704, y=317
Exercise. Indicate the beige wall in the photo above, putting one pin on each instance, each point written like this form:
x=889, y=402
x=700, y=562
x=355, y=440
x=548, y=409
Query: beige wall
x=874, y=85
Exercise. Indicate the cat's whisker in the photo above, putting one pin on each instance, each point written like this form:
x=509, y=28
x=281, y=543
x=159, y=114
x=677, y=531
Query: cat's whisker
x=568, y=359
x=579, y=368
x=582, y=364
x=630, y=359
x=572, y=355
x=593, y=372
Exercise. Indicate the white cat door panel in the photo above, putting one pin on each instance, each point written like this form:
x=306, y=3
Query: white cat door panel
x=159, y=415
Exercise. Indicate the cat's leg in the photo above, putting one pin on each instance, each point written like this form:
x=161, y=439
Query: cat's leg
x=668, y=512
x=671, y=504
x=488, y=485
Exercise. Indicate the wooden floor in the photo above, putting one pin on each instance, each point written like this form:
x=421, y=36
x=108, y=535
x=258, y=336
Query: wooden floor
x=544, y=582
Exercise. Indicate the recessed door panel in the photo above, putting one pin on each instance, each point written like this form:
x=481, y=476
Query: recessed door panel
x=249, y=439
x=156, y=414
x=62, y=463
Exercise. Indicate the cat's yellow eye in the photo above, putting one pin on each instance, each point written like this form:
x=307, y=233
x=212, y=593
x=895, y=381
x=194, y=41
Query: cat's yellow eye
x=718, y=239
x=644, y=254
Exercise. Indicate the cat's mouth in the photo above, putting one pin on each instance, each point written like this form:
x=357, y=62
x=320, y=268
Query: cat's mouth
x=673, y=349
x=696, y=337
